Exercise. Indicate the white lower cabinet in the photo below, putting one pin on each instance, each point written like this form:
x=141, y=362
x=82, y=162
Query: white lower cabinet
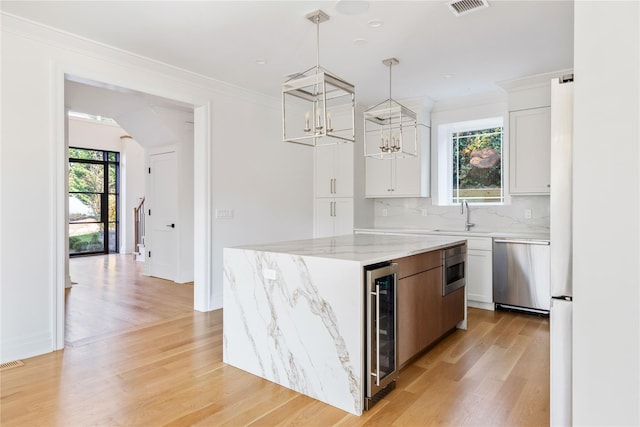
x=479, y=279
x=333, y=216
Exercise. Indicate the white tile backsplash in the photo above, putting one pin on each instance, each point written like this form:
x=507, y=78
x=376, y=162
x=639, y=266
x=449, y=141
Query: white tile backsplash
x=421, y=214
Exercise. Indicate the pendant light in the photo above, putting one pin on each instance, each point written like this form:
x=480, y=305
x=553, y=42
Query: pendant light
x=318, y=107
x=390, y=128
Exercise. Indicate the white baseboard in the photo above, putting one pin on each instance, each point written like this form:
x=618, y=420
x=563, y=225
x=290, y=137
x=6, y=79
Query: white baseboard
x=483, y=305
x=25, y=347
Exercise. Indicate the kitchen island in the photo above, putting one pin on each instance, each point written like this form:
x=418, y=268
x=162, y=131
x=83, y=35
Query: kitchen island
x=294, y=311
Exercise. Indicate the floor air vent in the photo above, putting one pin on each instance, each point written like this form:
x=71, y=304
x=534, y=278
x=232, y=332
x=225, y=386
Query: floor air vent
x=9, y=365
x=460, y=7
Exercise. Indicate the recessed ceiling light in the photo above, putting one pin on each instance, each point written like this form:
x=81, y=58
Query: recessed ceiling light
x=352, y=7
x=261, y=61
x=447, y=76
x=376, y=23
x=360, y=42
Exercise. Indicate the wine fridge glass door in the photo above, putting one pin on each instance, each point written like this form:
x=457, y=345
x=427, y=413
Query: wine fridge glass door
x=381, y=328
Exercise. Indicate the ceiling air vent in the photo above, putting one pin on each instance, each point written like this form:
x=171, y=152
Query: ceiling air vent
x=460, y=7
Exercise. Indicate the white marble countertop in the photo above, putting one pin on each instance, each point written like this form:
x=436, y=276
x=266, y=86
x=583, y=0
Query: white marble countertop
x=439, y=232
x=363, y=248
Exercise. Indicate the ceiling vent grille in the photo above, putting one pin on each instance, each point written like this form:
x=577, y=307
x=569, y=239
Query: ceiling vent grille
x=461, y=7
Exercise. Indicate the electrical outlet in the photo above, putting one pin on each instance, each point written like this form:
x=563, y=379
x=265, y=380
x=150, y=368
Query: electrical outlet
x=424, y=212
x=527, y=213
x=269, y=274
x=385, y=212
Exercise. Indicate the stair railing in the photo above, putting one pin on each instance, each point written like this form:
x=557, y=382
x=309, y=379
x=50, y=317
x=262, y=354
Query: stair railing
x=138, y=225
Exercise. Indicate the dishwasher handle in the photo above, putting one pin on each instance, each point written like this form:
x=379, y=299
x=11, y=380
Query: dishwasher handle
x=523, y=242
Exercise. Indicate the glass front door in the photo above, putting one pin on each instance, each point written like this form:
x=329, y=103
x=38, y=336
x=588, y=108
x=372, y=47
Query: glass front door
x=93, y=201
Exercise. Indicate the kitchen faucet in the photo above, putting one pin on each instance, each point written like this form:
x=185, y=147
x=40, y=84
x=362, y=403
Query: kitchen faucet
x=467, y=224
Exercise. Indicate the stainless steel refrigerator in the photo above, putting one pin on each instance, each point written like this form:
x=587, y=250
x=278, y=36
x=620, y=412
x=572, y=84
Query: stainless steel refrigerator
x=561, y=286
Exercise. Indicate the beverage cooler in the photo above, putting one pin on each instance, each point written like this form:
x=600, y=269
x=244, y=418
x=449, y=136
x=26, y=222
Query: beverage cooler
x=381, y=331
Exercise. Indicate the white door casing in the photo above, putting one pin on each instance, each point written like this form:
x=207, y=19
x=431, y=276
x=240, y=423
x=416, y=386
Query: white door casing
x=162, y=239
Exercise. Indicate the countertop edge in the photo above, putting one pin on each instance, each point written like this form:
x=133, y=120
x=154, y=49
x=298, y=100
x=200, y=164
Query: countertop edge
x=439, y=232
x=357, y=248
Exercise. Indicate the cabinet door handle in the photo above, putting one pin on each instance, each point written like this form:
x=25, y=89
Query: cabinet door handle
x=333, y=210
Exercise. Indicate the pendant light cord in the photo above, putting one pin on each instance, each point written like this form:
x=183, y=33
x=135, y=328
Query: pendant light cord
x=390, y=67
x=318, y=44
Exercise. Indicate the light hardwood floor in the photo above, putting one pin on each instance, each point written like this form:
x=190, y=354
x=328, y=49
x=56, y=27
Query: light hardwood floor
x=167, y=370
x=111, y=295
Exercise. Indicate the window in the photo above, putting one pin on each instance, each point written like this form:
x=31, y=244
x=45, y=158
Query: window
x=93, y=201
x=473, y=155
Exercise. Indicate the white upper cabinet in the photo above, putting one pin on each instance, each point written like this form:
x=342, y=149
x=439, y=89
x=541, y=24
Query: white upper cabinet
x=400, y=177
x=529, y=101
x=334, y=170
x=529, y=151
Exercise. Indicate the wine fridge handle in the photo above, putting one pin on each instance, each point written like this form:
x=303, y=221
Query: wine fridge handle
x=377, y=334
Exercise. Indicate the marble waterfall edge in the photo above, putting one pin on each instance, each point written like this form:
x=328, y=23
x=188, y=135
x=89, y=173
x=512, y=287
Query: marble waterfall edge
x=297, y=321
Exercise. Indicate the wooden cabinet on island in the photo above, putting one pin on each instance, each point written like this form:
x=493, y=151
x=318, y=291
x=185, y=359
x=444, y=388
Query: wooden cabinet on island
x=424, y=314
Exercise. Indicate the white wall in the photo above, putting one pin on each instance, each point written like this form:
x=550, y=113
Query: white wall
x=239, y=162
x=606, y=325
x=106, y=136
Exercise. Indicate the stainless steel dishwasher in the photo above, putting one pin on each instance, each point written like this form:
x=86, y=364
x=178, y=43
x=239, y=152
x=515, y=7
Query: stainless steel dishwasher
x=521, y=274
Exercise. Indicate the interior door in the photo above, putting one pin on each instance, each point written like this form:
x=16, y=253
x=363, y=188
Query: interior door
x=162, y=215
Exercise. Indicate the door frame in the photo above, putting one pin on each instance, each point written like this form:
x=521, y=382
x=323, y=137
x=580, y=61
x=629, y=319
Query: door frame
x=145, y=81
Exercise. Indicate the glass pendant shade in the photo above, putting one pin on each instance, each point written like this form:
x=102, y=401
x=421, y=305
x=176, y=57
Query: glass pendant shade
x=318, y=108
x=390, y=129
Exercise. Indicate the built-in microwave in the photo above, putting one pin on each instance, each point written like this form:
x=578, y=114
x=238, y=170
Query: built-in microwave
x=454, y=260
x=381, y=366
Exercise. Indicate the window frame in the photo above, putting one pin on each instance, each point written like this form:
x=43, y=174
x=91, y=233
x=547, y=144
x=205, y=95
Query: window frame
x=106, y=163
x=445, y=131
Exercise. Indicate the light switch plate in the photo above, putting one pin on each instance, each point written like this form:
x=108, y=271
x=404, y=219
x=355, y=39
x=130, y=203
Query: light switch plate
x=224, y=213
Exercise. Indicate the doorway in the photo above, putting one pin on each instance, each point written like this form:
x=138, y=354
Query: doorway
x=127, y=270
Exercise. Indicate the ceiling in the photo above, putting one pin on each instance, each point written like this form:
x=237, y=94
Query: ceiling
x=256, y=44
x=151, y=120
